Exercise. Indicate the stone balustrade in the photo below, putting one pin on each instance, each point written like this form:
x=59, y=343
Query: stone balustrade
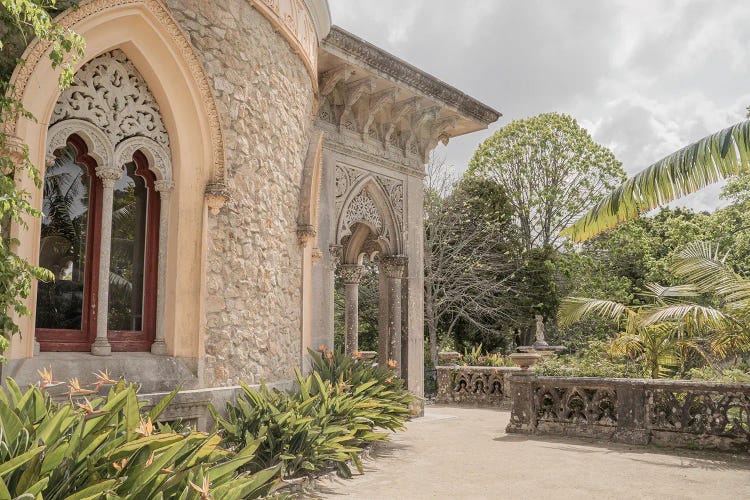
x=635, y=411
x=474, y=385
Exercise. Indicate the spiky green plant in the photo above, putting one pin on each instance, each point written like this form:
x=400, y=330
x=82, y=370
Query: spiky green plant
x=108, y=447
x=721, y=155
x=323, y=423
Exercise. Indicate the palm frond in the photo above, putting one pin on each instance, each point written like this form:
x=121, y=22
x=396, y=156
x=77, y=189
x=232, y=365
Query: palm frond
x=626, y=345
x=703, y=264
x=723, y=154
x=694, y=316
x=667, y=294
x=574, y=309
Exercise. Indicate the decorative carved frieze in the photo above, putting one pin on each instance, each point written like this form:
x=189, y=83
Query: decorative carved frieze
x=294, y=21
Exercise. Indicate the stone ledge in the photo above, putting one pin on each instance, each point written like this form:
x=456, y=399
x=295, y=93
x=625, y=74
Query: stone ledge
x=154, y=373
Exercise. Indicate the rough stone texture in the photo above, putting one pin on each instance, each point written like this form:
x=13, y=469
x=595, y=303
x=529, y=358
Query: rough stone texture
x=264, y=97
x=665, y=412
x=474, y=385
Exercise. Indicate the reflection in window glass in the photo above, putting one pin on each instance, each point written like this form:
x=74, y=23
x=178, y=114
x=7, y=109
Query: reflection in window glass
x=127, y=264
x=63, y=243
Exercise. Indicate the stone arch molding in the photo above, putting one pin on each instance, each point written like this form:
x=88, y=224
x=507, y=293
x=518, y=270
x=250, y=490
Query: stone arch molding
x=86, y=13
x=369, y=204
x=111, y=105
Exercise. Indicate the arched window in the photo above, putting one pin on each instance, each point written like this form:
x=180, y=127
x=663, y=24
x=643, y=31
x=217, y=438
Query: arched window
x=107, y=179
x=71, y=195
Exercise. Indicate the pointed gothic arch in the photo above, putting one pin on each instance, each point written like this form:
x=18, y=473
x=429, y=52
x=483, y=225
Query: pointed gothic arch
x=145, y=32
x=367, y=222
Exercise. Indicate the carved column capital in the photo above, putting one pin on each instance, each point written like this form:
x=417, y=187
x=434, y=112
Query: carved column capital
x=216, y=196
x=109, y=175
x=352, y=273
x=305, y=233
x=394, y=266
x=164, y=186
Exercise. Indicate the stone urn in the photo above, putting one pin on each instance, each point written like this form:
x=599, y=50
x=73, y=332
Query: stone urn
x=525, y=360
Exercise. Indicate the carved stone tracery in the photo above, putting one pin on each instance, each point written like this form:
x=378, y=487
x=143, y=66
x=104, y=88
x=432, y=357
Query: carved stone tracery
x=110, y=93
x=363, y=209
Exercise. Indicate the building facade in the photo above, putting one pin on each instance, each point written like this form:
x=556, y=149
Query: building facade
x=210, y=170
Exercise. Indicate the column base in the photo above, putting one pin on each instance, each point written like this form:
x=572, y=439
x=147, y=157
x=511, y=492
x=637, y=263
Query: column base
x=159, y=347
x=101, y=347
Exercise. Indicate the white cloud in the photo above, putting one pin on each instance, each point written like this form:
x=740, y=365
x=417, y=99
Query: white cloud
x=646, y=78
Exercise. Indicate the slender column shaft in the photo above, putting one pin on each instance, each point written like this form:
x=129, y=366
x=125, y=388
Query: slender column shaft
x=351, y=274
x=394, y=268
x=383, y=323
x=108, y=175
x=394, y=319
x=351, y=317
x=164, y=187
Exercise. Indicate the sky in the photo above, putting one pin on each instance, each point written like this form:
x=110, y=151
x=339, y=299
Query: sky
x=645, y=77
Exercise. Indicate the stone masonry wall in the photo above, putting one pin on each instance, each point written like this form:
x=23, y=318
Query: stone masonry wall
x=264, y=97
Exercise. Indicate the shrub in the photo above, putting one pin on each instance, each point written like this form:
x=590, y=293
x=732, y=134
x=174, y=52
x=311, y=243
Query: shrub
x=592, y=361
x=719, y=375
x=476, y=358
x=108, y=447
x=324, y=423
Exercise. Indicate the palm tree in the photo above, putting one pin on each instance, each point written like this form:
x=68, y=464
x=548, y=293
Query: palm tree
x=721, y=155
x=713, y=307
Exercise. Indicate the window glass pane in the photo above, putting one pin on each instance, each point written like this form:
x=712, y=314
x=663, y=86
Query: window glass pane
x=126, y=271
x=63, y=243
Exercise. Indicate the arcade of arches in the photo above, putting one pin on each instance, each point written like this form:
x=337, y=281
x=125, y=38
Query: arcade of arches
x=212, y=168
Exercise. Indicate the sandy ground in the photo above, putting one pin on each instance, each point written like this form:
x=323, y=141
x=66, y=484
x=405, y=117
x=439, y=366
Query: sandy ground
x=465, y=453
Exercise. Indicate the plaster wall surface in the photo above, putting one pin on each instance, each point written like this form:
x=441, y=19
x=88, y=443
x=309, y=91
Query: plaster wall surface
x=253, y=268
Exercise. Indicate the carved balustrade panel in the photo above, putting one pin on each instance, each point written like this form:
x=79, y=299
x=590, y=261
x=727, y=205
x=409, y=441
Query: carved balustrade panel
x=666, y=412
x=473, y=385
x=576, y=404
x=712, y=412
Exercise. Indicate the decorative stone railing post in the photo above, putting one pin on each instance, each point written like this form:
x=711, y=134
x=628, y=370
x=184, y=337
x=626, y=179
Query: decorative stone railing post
x=164, y=188
x=352, y=275
x=108, y=176
x=394, y=268
x=523, y=410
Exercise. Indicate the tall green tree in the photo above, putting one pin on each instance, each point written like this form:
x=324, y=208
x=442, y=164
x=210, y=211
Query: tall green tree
x=23, y=20
x=552, y=171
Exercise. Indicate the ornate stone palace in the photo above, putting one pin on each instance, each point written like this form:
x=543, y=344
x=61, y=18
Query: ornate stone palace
x=212, y=168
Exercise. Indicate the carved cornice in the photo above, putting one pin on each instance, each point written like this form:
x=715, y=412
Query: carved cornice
x=402, y=71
